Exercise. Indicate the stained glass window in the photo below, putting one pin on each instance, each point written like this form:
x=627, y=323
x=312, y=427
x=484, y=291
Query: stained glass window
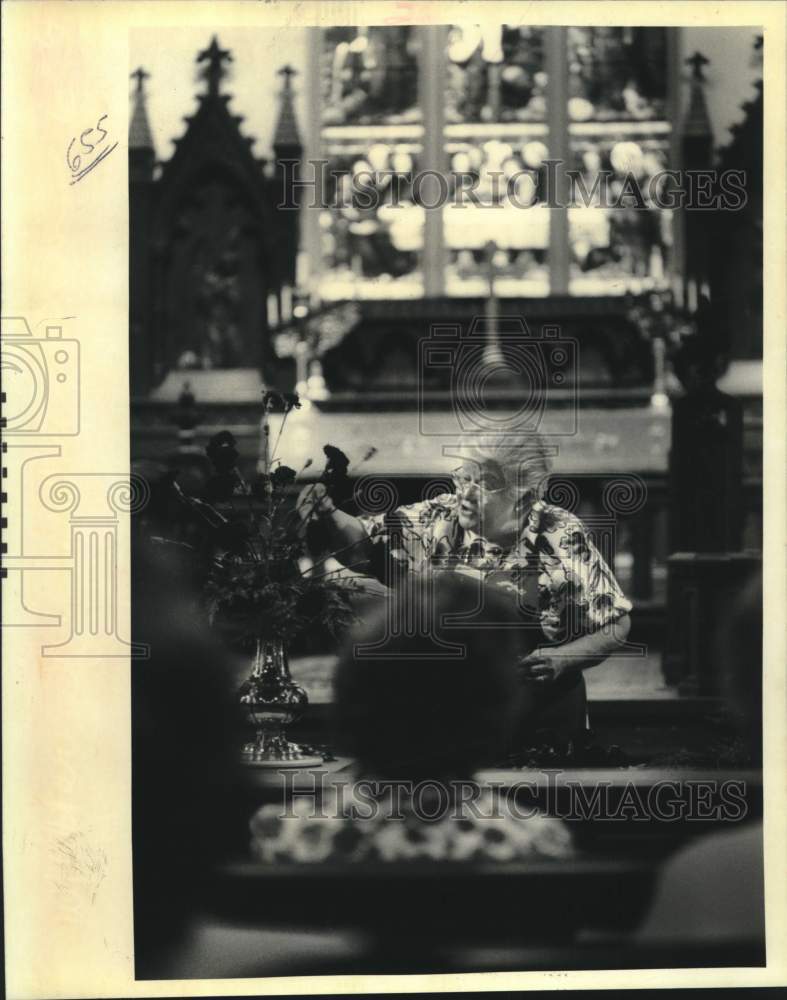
x=617, y=74
x=371, y=230
x=497, y=223
x=495, y=74
x=620, y=237
x=495, y=122
x=369, y=76
x=372, y=233
x=619, y=142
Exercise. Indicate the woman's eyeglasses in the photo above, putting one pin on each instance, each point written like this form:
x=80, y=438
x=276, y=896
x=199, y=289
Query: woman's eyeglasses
x=486, y=487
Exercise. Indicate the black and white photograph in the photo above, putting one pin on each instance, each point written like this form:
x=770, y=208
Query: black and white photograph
x=446, y=373
x=432, y=559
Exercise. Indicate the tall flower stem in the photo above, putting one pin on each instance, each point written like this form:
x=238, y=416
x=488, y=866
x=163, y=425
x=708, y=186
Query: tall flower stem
x=265, y=429
x=278, y=436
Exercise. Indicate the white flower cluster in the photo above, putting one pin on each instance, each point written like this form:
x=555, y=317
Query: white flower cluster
x=479, y=833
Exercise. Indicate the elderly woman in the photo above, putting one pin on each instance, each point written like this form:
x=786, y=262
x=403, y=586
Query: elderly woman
x=497, y=526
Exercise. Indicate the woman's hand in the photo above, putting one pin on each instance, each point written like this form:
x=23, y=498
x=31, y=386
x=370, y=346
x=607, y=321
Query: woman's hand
x=547, y=665
x=543, y=666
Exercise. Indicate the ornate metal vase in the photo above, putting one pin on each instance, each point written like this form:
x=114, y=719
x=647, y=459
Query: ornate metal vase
x=272, y=701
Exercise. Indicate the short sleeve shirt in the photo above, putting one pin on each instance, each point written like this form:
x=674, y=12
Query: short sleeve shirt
x=576, y=590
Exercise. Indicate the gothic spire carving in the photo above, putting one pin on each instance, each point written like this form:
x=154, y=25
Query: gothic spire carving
x=286, y=134
x=139, y=134
x=214, y=71
x=696, y=122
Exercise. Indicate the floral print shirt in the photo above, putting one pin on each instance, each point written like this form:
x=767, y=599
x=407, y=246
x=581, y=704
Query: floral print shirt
x=554, y=566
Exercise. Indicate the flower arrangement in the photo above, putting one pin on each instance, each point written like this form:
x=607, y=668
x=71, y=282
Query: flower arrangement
x=257, y=581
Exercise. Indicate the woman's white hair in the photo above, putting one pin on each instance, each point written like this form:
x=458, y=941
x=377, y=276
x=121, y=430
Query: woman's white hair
x=523, y=459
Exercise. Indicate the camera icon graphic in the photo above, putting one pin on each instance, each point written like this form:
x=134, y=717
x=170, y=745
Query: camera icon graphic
x=40, y=380
x=498, y=358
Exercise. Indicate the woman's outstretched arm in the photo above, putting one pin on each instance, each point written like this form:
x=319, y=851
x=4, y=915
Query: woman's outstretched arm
x=330, y=532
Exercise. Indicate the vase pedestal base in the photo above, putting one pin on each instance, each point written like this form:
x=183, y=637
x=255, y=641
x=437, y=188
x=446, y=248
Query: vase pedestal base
x=277, y=752
x=273, y=701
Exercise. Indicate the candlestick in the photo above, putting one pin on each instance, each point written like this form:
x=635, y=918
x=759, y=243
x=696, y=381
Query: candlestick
x=302, y=270
x=301, y=368
x=691, y=296
x=656, y=264
x=315, y=384
x=273, y=311
x=493, y=356
x=659, y=399
x=286, y=303
x=337, y=84
x=677, y=289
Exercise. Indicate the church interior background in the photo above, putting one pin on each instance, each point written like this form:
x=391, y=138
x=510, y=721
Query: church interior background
x=230, y=292
x=260, y=259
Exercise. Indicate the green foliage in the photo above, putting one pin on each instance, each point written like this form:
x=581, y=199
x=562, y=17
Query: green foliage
x=257, y=583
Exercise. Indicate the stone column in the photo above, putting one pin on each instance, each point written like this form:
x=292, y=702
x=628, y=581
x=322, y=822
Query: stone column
x=431, y=77
x=559, y=149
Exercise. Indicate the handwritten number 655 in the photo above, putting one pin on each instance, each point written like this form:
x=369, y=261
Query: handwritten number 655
x=75, y=161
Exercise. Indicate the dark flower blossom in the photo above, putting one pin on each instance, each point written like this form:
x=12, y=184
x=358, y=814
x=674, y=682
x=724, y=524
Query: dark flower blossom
x=253, y=582
x=222, y=452
x=272, y=400
x=338, y=462
x=280, y=402
x=282, y=476
x=335, y=474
